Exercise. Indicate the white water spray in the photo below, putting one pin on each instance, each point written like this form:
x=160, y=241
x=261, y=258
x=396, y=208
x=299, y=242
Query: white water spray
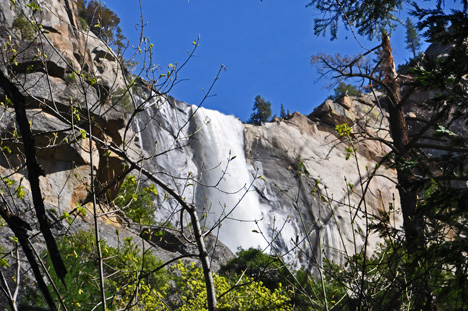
x=227, y=179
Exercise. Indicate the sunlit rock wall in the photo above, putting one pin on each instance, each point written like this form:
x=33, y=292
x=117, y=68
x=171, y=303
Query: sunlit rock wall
x=286, y=186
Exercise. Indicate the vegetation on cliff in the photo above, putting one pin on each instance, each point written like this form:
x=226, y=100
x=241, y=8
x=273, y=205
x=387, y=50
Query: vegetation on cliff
x=109, y=183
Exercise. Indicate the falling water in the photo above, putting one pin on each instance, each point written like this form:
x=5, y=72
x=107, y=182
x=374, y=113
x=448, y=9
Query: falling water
x=211, y=149
x=227, y=194
x=200, y=153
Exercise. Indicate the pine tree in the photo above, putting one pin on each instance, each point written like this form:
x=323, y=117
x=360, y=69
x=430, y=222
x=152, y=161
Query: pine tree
x=283, y=112
x=119, y=42
x=262, y=111
x=368, y=19
x=99, y=18
x=413, y=41
x=343, y=89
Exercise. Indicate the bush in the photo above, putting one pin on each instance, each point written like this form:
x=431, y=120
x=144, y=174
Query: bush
x=133, y=279
x=124, y=268
x=190, y=292
x=137, y=201
x=257, y=265
x=25, y=28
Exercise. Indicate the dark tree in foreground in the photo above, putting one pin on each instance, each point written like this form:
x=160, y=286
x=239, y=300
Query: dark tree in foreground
x=429, y=154
x=262, y=111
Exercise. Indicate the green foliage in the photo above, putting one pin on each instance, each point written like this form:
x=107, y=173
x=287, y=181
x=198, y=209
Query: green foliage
x=25, y=28
x=190, y=292
x=413, y=40
x=304, y=291
x=34, y=6
x=283, y=112
x=83, y=23
x=102, y=21
x=300, y=167
x=122, y=98
x=134, y=279
x=137, y=201
x=14, y=188
x=262, y=111
x=254, y=263
x=423, y=267
x=368, y=17
x=119, y=41
x=3, y=254
x=99, y=19
x=344, y=131
x=127, y=271
x=343, y=89
x=386, y=281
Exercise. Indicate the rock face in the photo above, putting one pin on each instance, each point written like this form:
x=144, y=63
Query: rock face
x=286, y=186
x=70, y=80
x=313, y=187
x=51, y=74
x=308, y=192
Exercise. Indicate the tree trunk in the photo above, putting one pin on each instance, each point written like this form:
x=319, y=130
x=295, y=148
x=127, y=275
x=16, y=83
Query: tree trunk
x=412, y=223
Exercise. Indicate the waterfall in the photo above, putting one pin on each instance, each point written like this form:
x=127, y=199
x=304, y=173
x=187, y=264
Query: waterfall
x=211, y=149
x=226, y=191
x=164, y=136
x=201, y=154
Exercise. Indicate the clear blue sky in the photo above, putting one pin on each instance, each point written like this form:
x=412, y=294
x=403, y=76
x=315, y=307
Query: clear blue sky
x=265, y=46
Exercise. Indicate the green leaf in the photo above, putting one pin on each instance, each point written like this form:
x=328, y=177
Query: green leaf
x=158, y=233
x=83, y=134
x=33, y=6
x=441, y=131
x=6, y=149
x=20, y=193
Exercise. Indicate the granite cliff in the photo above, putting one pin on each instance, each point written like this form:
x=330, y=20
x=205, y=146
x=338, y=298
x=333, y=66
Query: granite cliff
x=292, y=187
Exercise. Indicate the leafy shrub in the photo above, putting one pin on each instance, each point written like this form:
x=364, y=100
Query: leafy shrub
x=190, y=292
x=133, y=280
x=124, y=268
x=137, y=201
x=25, y=28
x=304, y=291
x=257, y=265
